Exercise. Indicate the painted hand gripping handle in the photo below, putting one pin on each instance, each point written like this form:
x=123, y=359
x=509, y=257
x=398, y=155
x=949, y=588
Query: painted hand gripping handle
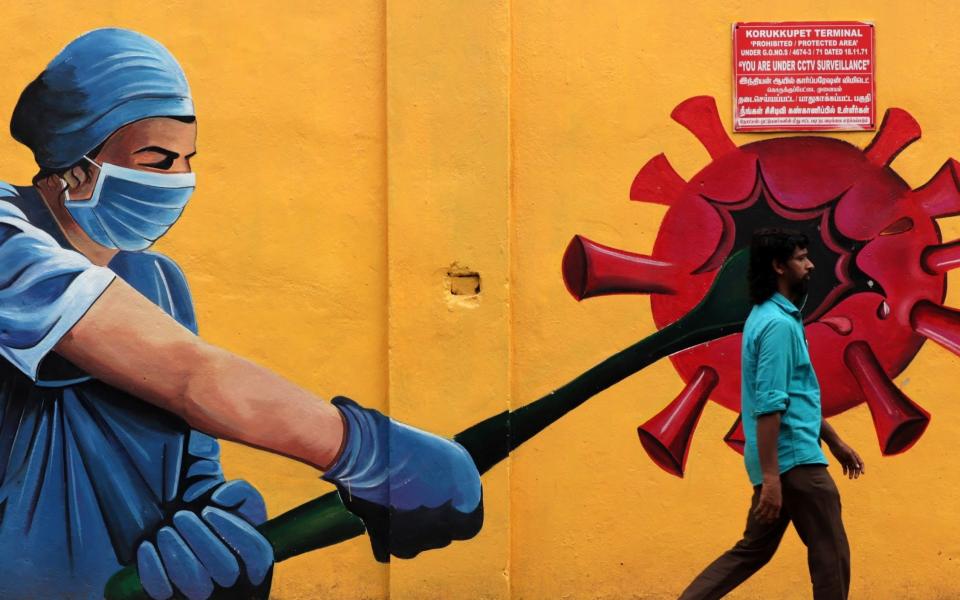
x=413, y=490
x=326, y=520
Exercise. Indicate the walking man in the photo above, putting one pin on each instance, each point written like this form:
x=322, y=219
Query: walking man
x=783, y=426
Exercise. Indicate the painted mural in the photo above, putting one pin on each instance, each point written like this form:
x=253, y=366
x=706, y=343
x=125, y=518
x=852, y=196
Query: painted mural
x=880, y=257
x=111, y=478
x=715, y=314
x=108, y=405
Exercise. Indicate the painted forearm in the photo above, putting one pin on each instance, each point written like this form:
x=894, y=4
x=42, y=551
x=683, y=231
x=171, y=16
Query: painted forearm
x=768, y=430
x=234, y=399
x=127, y=342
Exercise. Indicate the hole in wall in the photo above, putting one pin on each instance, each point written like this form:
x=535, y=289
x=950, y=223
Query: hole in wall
x=463, y=282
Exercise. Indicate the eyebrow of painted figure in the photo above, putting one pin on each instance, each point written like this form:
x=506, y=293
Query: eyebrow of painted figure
x=170, y=154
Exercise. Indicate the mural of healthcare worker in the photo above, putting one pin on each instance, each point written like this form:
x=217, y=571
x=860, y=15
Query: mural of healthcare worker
x=110, y=405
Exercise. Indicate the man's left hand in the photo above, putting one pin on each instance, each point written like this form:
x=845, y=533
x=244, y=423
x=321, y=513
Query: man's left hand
x=848, y=458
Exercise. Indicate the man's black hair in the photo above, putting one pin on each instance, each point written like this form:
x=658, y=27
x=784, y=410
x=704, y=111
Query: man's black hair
x=766, y=246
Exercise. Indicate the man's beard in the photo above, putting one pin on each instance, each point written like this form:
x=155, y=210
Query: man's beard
x=799, y=288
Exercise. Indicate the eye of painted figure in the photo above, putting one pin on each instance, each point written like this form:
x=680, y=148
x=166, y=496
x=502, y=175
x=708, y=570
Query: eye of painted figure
x=879, y=260
x=163, y=144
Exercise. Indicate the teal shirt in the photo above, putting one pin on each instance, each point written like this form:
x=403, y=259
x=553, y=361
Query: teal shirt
x=777, y=376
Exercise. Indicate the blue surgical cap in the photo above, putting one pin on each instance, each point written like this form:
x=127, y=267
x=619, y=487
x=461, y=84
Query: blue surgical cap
x=101, y=81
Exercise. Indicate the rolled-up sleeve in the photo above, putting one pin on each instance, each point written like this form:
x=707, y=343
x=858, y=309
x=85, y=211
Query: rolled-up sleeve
x=44, y=290
x=775, y=348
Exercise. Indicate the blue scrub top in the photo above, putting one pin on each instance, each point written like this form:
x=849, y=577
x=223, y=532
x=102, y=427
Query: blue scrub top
x=86, y=470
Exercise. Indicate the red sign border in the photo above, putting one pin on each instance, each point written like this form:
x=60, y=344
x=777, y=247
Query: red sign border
x=802, y=128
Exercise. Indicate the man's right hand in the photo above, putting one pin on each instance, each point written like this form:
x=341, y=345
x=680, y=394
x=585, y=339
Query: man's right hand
x=771, y=499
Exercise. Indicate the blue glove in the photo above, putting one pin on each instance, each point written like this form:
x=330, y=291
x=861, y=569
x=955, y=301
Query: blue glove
x=202, y=462
x=217, y=553
x=413, y=490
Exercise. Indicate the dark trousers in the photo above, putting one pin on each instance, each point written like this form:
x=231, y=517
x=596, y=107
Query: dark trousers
x=812, y=503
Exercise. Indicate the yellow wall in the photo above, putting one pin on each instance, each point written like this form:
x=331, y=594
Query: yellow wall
x=353, y=153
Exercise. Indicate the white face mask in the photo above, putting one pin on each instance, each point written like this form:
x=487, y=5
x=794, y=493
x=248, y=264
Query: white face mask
x=130, y=209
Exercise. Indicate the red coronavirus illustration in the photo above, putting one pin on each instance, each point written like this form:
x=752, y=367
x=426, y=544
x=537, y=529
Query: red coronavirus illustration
x=880, y=261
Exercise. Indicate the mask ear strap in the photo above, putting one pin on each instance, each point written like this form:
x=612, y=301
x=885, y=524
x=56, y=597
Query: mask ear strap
x=90, y=160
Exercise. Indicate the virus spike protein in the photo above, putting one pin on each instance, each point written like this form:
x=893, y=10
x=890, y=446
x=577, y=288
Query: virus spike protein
x=735, y=438
x=938, y=323
x=666, y=437
x=898, y=420
x=657, y=182
x=592, y=269
x=897, y=131
x=940, y=197
x=942, y=258
x=699, y=115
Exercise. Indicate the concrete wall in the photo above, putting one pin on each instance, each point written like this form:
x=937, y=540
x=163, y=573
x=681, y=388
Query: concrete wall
x=355, y=159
